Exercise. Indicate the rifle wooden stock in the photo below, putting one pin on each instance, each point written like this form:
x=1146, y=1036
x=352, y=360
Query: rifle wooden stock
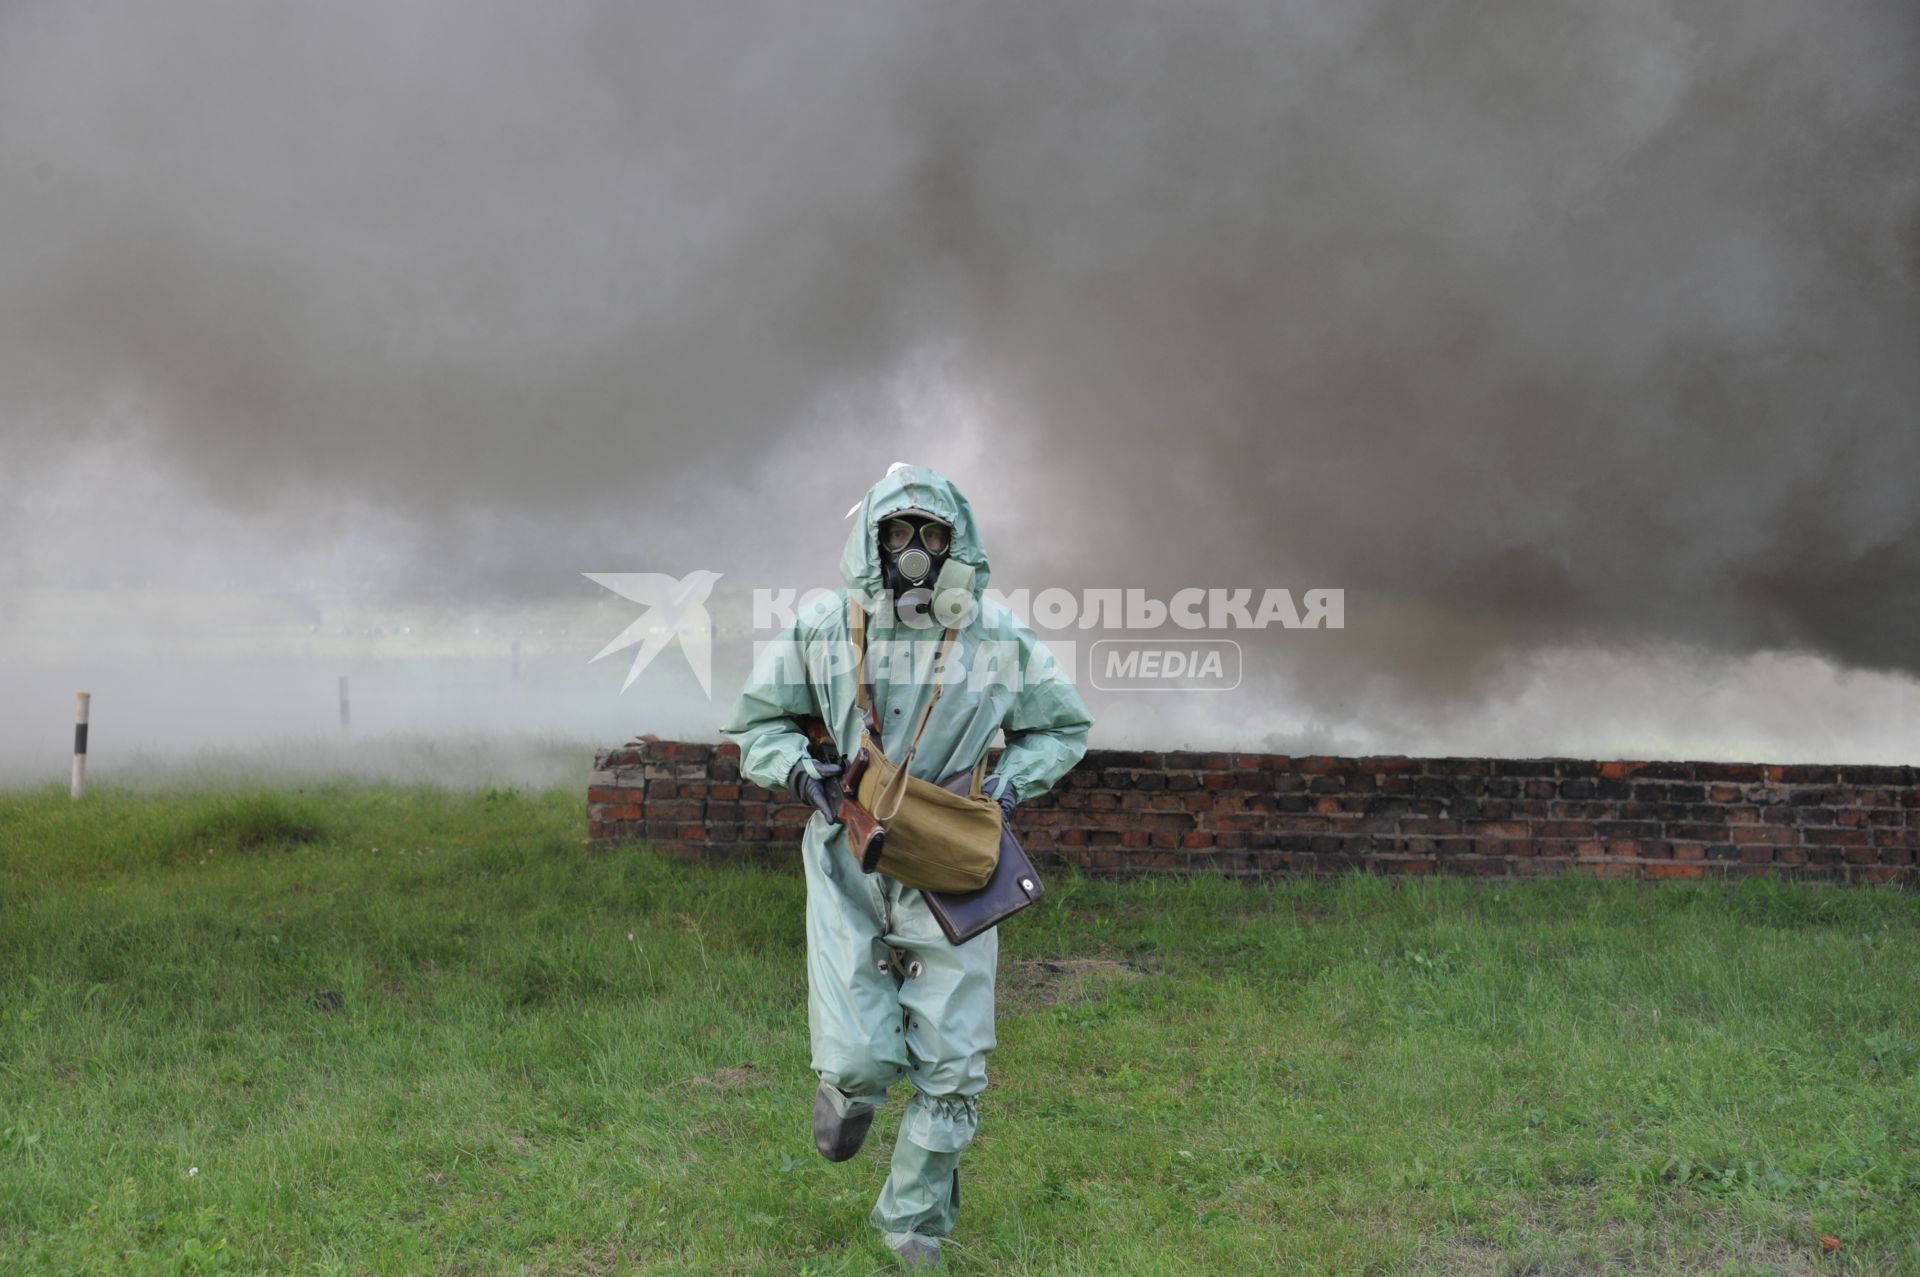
x=865, y=835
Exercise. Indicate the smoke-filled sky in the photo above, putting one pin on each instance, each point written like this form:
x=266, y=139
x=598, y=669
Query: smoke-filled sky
x=1563, y=337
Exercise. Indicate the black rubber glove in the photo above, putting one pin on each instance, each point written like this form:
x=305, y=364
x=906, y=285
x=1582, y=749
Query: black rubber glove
x=809, y=790
x=1006, y=795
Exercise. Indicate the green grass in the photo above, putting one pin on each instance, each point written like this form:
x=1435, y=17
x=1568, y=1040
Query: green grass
x=377, y=1030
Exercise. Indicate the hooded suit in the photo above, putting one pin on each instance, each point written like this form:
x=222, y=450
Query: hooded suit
x=872, y=1023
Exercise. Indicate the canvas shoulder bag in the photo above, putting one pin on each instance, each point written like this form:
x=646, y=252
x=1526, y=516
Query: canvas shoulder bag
x=937, y=840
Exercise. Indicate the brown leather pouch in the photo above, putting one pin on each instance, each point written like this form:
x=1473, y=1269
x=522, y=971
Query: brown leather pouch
x=1013, y=886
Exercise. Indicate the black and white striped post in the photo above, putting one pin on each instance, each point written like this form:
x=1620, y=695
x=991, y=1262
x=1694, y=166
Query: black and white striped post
x=80, y=745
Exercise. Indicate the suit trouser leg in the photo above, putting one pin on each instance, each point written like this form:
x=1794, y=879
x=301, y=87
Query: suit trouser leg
x=872, y=1025
x=948, y=1007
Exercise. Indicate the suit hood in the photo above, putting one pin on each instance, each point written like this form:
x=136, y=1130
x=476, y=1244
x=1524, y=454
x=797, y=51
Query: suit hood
x=909, y=490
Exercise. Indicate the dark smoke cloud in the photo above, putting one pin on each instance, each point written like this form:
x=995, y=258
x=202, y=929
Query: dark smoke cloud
x=1527, y=323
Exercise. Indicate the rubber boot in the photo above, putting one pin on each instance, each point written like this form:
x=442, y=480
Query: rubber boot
x=915, y=1252
x=837, y=1137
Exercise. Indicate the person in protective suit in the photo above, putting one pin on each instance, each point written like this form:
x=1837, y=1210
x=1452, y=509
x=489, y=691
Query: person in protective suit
x=889, y=997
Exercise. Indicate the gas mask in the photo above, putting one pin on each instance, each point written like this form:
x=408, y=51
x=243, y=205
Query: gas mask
x=913, y=549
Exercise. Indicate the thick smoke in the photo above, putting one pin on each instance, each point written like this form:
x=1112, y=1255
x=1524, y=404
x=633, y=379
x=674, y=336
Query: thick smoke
x=1531, y=325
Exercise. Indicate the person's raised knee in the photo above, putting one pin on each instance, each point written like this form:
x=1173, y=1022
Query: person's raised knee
x=863, y=1080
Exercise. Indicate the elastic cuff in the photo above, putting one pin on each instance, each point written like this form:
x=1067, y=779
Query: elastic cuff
x=940, y=1123
x=852, y=1105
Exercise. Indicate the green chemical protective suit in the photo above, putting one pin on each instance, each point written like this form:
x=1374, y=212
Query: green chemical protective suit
x=927, y=1014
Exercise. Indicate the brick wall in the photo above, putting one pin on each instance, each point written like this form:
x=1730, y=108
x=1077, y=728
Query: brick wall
x=1258, y=814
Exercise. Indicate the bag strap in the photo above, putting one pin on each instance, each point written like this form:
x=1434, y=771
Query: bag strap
x=896, y=787
x=862, y=687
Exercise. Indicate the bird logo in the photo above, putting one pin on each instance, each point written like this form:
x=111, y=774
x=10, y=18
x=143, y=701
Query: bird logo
x=676, y=608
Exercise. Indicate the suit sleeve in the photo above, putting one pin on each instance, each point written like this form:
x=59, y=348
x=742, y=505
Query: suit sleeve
x=1046, y=724
x=764, y=722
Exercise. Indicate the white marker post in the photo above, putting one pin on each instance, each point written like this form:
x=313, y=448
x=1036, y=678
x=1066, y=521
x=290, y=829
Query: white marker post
x=80, y=745
x=346, y=712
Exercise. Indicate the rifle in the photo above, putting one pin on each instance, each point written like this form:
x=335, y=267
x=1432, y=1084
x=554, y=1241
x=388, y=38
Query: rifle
x=865, y=835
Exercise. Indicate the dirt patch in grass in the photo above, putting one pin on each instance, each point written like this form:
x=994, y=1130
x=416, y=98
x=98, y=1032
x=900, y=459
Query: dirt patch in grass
x=1467, y=1257
x=1026, y=985
x=585, y=1259
x=1600, y=1248
x=730, y=1079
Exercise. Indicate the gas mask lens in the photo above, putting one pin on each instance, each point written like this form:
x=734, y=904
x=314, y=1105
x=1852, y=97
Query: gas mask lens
x=895, y=535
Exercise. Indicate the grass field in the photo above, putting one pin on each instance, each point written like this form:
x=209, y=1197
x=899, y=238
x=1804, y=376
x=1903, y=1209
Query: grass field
x=366, y=1030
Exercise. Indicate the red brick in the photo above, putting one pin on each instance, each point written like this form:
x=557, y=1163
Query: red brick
x=1675, y=869
x=1728, y=771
